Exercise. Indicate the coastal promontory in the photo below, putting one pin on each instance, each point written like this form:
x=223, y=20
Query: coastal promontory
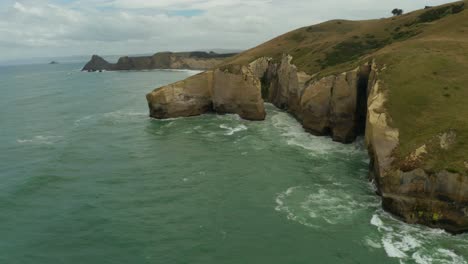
x=399, y=82
x=197, y=60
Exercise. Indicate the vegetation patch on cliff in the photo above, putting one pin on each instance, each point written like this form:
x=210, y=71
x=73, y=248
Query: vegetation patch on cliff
x=434, y=14
x=427, y=85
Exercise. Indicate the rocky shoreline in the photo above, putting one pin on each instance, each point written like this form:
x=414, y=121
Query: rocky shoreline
x=342, y=106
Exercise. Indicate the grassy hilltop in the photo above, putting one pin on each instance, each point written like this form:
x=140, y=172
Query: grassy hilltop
x=425, y=54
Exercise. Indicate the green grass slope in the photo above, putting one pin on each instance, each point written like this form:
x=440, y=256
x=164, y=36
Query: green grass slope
x=426, y=58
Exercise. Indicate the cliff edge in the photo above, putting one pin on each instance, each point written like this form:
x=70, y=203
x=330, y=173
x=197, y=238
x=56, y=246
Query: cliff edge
x=400, y=82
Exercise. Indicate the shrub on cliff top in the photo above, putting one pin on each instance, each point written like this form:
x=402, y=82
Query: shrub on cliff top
x=434, y=14
x=397, y=12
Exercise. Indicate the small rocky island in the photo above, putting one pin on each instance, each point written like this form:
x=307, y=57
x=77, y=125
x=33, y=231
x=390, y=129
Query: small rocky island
x=401, y=82
x=197, y=60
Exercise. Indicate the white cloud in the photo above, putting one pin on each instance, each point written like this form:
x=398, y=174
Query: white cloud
x=64, y=27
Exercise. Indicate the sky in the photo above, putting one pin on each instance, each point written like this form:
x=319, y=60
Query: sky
x=55, y=28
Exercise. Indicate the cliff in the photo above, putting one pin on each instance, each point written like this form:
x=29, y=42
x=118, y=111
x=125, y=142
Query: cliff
x=164, y=60
x=400, y=81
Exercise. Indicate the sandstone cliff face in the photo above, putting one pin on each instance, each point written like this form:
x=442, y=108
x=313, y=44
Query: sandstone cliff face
x=327, y=106
x=284, y=89
x=162, y=60
x=231, y=90
x=341, y=106
x=238, y=91
x=189, y=97
x=434, y=198
x=315, y=105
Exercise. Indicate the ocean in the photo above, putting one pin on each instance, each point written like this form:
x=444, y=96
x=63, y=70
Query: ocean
x=87, y=177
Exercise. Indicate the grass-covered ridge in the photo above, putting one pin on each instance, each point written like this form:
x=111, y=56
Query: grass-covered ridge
x=426, y=58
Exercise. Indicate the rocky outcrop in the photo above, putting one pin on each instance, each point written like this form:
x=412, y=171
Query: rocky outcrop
x=325, y=106
x=189, y=97
x=97, y=64
x=237, y=90
x=162, y=60
x=315, y=105
x=284, y=86
x=233, y=89
x=341, y=106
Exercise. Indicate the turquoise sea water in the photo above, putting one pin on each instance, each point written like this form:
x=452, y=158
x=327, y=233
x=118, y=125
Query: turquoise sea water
x=87, y=177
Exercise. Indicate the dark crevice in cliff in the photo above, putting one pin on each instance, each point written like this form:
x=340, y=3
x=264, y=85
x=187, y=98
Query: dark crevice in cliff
x=265, y=84
x=361, y=104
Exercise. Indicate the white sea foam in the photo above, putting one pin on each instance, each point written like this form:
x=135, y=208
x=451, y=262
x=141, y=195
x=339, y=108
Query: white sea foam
x=416, y=244
x=295, y=135
x=47, y=140
x=123, y=114
x=83, y=119
x=230, y=117
x=373, y=244
x=114, y=117
x=329, y=204
x=232, y=130
x=319, y=204
x=392, y=249
x=189, y=72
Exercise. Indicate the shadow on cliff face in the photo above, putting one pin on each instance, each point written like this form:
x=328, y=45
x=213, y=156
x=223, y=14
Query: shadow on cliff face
x=361, y=105
x=335, y=105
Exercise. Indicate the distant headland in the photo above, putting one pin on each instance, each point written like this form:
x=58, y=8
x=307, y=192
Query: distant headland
x=196, y=60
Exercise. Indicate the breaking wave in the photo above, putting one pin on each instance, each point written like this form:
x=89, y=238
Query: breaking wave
x=47, y=140
x=295, y=135
x=113, y=117
x=331, y=201
x=320, y=204
x=232, y=130
x=417, y=244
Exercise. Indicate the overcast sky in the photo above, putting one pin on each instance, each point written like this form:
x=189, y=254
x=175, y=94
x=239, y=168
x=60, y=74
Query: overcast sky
x=40, y=28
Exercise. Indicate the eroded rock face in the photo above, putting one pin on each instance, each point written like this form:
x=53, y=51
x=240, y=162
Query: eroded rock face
x=327, y=106
x=315, y=106
x=343, y=107
x=284, y=90
x=232, y=90
x=238, y=91
x=259, y=67
x=433, y=198
x=189, y=97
